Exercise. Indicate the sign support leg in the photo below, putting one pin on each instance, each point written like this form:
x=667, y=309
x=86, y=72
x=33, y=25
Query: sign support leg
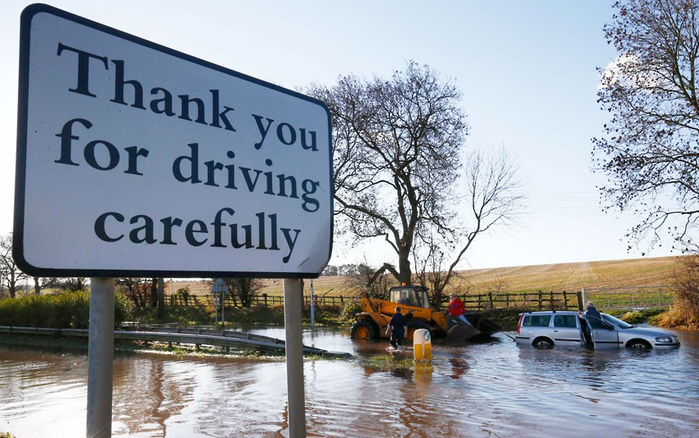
x=293, y=305
x=100, y=358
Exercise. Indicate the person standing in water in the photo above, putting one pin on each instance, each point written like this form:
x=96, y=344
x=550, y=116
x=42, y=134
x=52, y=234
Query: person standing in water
x=397, y=328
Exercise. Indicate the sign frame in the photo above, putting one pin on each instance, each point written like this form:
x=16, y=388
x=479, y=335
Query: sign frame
x=24, y=125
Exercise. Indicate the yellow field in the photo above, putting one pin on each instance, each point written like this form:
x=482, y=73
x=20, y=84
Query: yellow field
x=556, y=277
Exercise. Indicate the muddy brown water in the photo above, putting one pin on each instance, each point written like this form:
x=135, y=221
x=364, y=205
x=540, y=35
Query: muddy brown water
x=495, y=389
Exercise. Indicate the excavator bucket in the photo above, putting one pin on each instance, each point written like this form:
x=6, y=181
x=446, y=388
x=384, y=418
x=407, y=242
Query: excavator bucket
x=462, y=332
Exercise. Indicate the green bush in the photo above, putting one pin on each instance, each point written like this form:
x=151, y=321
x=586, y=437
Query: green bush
x=349, y=311
x=187, y=315
x=123, y=309
x=65, y=310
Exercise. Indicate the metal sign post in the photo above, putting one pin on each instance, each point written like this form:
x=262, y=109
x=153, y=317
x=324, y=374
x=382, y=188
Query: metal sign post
x=313, y=309
x=100, y=358
x=216, y=309
x=293, y=306
x=219, y=289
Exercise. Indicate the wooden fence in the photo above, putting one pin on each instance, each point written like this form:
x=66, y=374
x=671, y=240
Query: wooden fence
x=608, y=299
x=258, y=300
x=539, y=300
x=526, y=300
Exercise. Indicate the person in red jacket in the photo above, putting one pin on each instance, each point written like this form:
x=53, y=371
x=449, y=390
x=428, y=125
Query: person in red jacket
x=457, y=309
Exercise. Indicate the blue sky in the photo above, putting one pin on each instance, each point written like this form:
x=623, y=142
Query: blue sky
x=527, y=71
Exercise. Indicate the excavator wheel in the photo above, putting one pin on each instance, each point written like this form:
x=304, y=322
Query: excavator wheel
x=412, y=326
x=363, y=330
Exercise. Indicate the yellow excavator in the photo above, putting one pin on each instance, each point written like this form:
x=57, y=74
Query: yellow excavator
x=414, y=302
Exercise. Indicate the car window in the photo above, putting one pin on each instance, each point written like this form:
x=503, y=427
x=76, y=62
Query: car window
x=616, y=322
x=537, y=320
x=565, y=321
x=595, y=322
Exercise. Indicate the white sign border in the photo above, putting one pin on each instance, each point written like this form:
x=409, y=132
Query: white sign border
x=21, y=159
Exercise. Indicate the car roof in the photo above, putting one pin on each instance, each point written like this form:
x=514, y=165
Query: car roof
x=551, y=312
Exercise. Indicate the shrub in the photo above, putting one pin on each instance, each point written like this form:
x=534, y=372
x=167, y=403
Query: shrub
x=123, y=308
x=684, y=311
x=65, y=310
x=349, y=311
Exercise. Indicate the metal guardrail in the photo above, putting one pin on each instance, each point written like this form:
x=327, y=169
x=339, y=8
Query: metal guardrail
x=227, y=339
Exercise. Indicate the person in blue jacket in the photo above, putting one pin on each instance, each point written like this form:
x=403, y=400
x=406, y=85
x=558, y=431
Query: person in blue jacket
x=397, y=328
x=595, y=320
x=591, y=310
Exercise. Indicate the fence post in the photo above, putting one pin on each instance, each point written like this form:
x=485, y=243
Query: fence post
x=540, y=301
x=551, y=302
x=581, y=298
x=265, y=298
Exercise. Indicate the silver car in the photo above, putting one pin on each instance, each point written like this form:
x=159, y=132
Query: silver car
x=546, y=329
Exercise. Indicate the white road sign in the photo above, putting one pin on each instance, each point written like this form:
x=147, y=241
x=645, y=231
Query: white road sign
x=134, y=159
x=219, y=287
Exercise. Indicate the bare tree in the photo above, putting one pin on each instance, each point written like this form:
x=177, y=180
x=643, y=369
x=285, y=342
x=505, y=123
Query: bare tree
x=430, y=261
x=492, y=196
x=244, y=289
x=369, y=281
x=331, y=270
x=10, y=274
x=142, y=291
x=396, y=152
x=41, y=283
x=650, y=152
x=72, y=284
x=686, y=301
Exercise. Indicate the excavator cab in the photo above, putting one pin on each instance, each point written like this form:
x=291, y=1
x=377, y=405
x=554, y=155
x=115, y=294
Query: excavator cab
x=415, y=296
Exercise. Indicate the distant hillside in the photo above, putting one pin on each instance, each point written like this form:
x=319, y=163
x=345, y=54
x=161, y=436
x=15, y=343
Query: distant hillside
x=556, y=277
x=574, y=276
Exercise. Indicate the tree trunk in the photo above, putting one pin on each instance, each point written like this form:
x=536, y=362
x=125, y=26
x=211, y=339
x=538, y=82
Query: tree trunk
x=404, y=269
x=161, y=298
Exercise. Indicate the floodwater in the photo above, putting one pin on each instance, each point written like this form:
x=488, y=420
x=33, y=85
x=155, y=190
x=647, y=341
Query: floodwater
x=496, y=389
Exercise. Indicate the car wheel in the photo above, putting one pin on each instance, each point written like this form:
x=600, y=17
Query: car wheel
x=639, y=345
x=543, y=343
x=363, y=330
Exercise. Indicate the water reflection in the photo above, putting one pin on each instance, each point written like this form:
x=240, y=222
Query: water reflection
x=458, y=366
x=492, y=389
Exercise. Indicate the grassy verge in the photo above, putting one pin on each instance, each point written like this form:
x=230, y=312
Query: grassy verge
x=388, y=362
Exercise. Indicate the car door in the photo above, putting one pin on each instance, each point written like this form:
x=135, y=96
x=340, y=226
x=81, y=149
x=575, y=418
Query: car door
x=603, y=335
x=565, y=330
